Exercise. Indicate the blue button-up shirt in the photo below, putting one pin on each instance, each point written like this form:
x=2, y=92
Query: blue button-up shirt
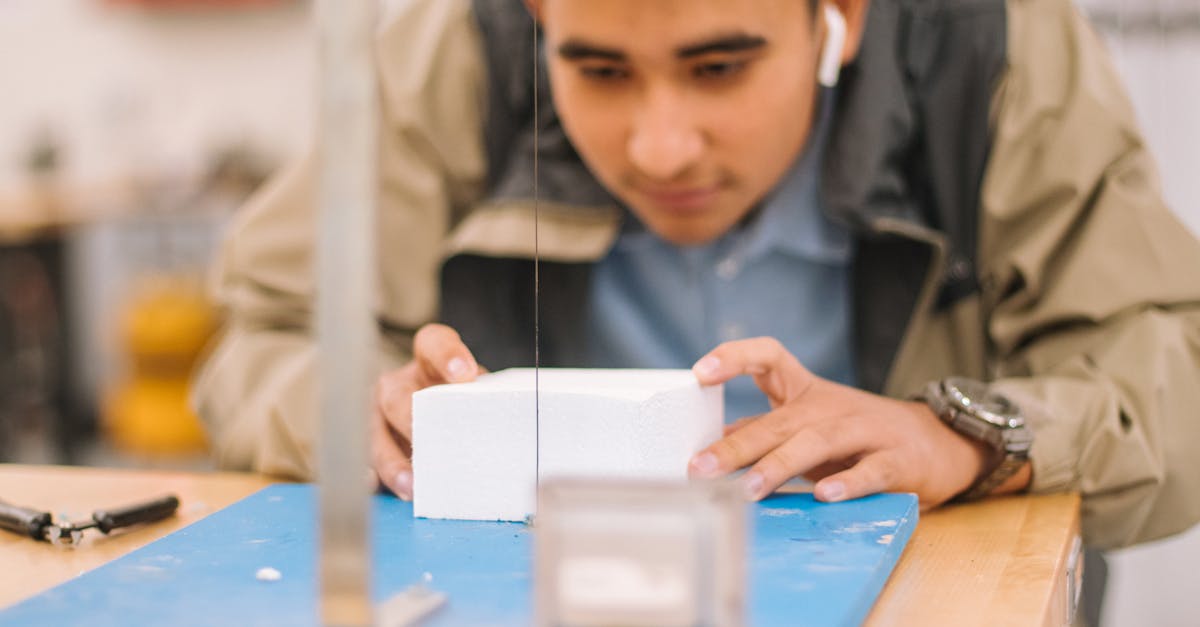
x=783, y=274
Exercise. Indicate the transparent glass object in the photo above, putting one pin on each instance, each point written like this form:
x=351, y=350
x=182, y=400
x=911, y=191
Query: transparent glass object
x=630, y=553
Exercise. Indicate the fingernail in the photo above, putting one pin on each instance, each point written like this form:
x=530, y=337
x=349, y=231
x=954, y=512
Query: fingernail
x=705, y=463
x=707, y=366
x=457, y=368
x=752, y=484
x=404, y=481
x=832, y=491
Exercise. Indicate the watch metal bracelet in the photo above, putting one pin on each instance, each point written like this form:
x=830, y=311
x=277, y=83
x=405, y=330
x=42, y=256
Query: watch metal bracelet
x=1006, y=469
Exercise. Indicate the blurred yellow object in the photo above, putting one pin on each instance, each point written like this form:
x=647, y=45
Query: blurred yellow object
x=164, y=329
x=152, y=416
x=169, y=322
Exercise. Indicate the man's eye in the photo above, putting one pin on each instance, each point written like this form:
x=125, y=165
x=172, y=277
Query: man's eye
x=719, y=70
x=604, y=72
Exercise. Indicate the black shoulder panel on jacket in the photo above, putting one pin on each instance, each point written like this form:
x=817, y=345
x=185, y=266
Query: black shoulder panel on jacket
x=507, y=30
x=490, y=302
x=912, y=132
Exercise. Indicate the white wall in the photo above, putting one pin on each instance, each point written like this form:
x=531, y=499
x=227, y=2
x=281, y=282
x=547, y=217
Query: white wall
x=1155, y=584
x=1156, y=46
x=137, y=88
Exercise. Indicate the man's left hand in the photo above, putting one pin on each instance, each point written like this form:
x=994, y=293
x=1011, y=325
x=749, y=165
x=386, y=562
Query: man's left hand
x=851, y=443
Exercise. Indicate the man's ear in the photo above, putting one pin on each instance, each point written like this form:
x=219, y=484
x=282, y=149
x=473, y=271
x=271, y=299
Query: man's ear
x=855, y=12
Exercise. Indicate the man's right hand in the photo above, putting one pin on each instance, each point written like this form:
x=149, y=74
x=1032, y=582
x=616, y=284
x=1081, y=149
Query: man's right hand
x=439, y=356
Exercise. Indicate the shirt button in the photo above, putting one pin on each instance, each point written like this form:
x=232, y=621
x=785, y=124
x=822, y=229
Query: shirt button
x=728, y=268
x=732, y=331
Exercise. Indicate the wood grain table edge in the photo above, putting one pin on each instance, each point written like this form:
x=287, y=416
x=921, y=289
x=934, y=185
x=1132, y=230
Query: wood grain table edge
x=1034, y=587
x=1009, y=569
x=31, y=567
x=1063, y=602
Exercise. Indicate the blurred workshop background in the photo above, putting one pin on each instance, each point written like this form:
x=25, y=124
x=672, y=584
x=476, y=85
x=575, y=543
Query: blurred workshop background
x=130, y=132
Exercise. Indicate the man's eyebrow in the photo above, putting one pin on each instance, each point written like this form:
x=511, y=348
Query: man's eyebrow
x=733, y=42
x=577, y=50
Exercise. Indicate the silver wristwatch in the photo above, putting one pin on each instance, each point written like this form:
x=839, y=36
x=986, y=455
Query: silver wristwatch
x=973, y=409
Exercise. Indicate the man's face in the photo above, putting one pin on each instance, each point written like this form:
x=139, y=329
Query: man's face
x=689, y=111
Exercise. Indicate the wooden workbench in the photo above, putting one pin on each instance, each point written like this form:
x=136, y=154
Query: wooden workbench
x=999, y=562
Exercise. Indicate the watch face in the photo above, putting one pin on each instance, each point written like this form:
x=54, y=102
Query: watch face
x=977, y=399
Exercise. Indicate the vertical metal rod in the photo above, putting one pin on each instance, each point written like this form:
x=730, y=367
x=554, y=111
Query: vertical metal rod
x=537, y=277
x=345, y=326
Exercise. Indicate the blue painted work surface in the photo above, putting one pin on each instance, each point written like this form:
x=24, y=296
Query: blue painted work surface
x=810, y=564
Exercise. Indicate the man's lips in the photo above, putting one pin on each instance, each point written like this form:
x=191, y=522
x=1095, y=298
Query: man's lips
x=683, y=199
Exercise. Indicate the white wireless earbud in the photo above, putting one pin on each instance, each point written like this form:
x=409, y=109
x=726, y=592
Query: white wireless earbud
x=831, y=52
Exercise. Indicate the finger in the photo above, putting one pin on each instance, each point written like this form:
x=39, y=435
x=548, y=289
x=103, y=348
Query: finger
x=776, y=372
x=388, y=459
x=739, y=423
x=749, y=439
x=874, y=473
x=393, y=398
x=442, y=357
x=745, y=443
x=817, y=444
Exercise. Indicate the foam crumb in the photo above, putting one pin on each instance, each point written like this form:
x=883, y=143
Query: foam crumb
x=268, y=574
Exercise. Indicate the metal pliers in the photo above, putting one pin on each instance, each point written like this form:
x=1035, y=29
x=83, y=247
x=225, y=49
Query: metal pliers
x=42, y=526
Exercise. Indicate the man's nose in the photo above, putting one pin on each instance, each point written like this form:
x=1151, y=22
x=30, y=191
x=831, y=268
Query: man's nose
x=664, y=143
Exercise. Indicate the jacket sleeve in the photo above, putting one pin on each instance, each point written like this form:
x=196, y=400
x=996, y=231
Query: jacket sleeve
x=1093, y=287
x=256, y=390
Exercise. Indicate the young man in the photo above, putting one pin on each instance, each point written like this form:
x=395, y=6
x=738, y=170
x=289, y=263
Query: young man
x=971, y=200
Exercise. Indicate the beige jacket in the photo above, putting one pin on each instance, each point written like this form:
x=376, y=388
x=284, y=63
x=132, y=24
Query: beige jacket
x=1099, y=339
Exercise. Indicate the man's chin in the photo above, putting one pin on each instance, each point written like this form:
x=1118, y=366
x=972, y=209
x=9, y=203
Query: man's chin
x=691, y=232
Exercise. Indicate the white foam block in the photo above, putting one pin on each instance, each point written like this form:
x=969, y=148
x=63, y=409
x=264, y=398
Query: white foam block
x=479, y=448
x=474, y=450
